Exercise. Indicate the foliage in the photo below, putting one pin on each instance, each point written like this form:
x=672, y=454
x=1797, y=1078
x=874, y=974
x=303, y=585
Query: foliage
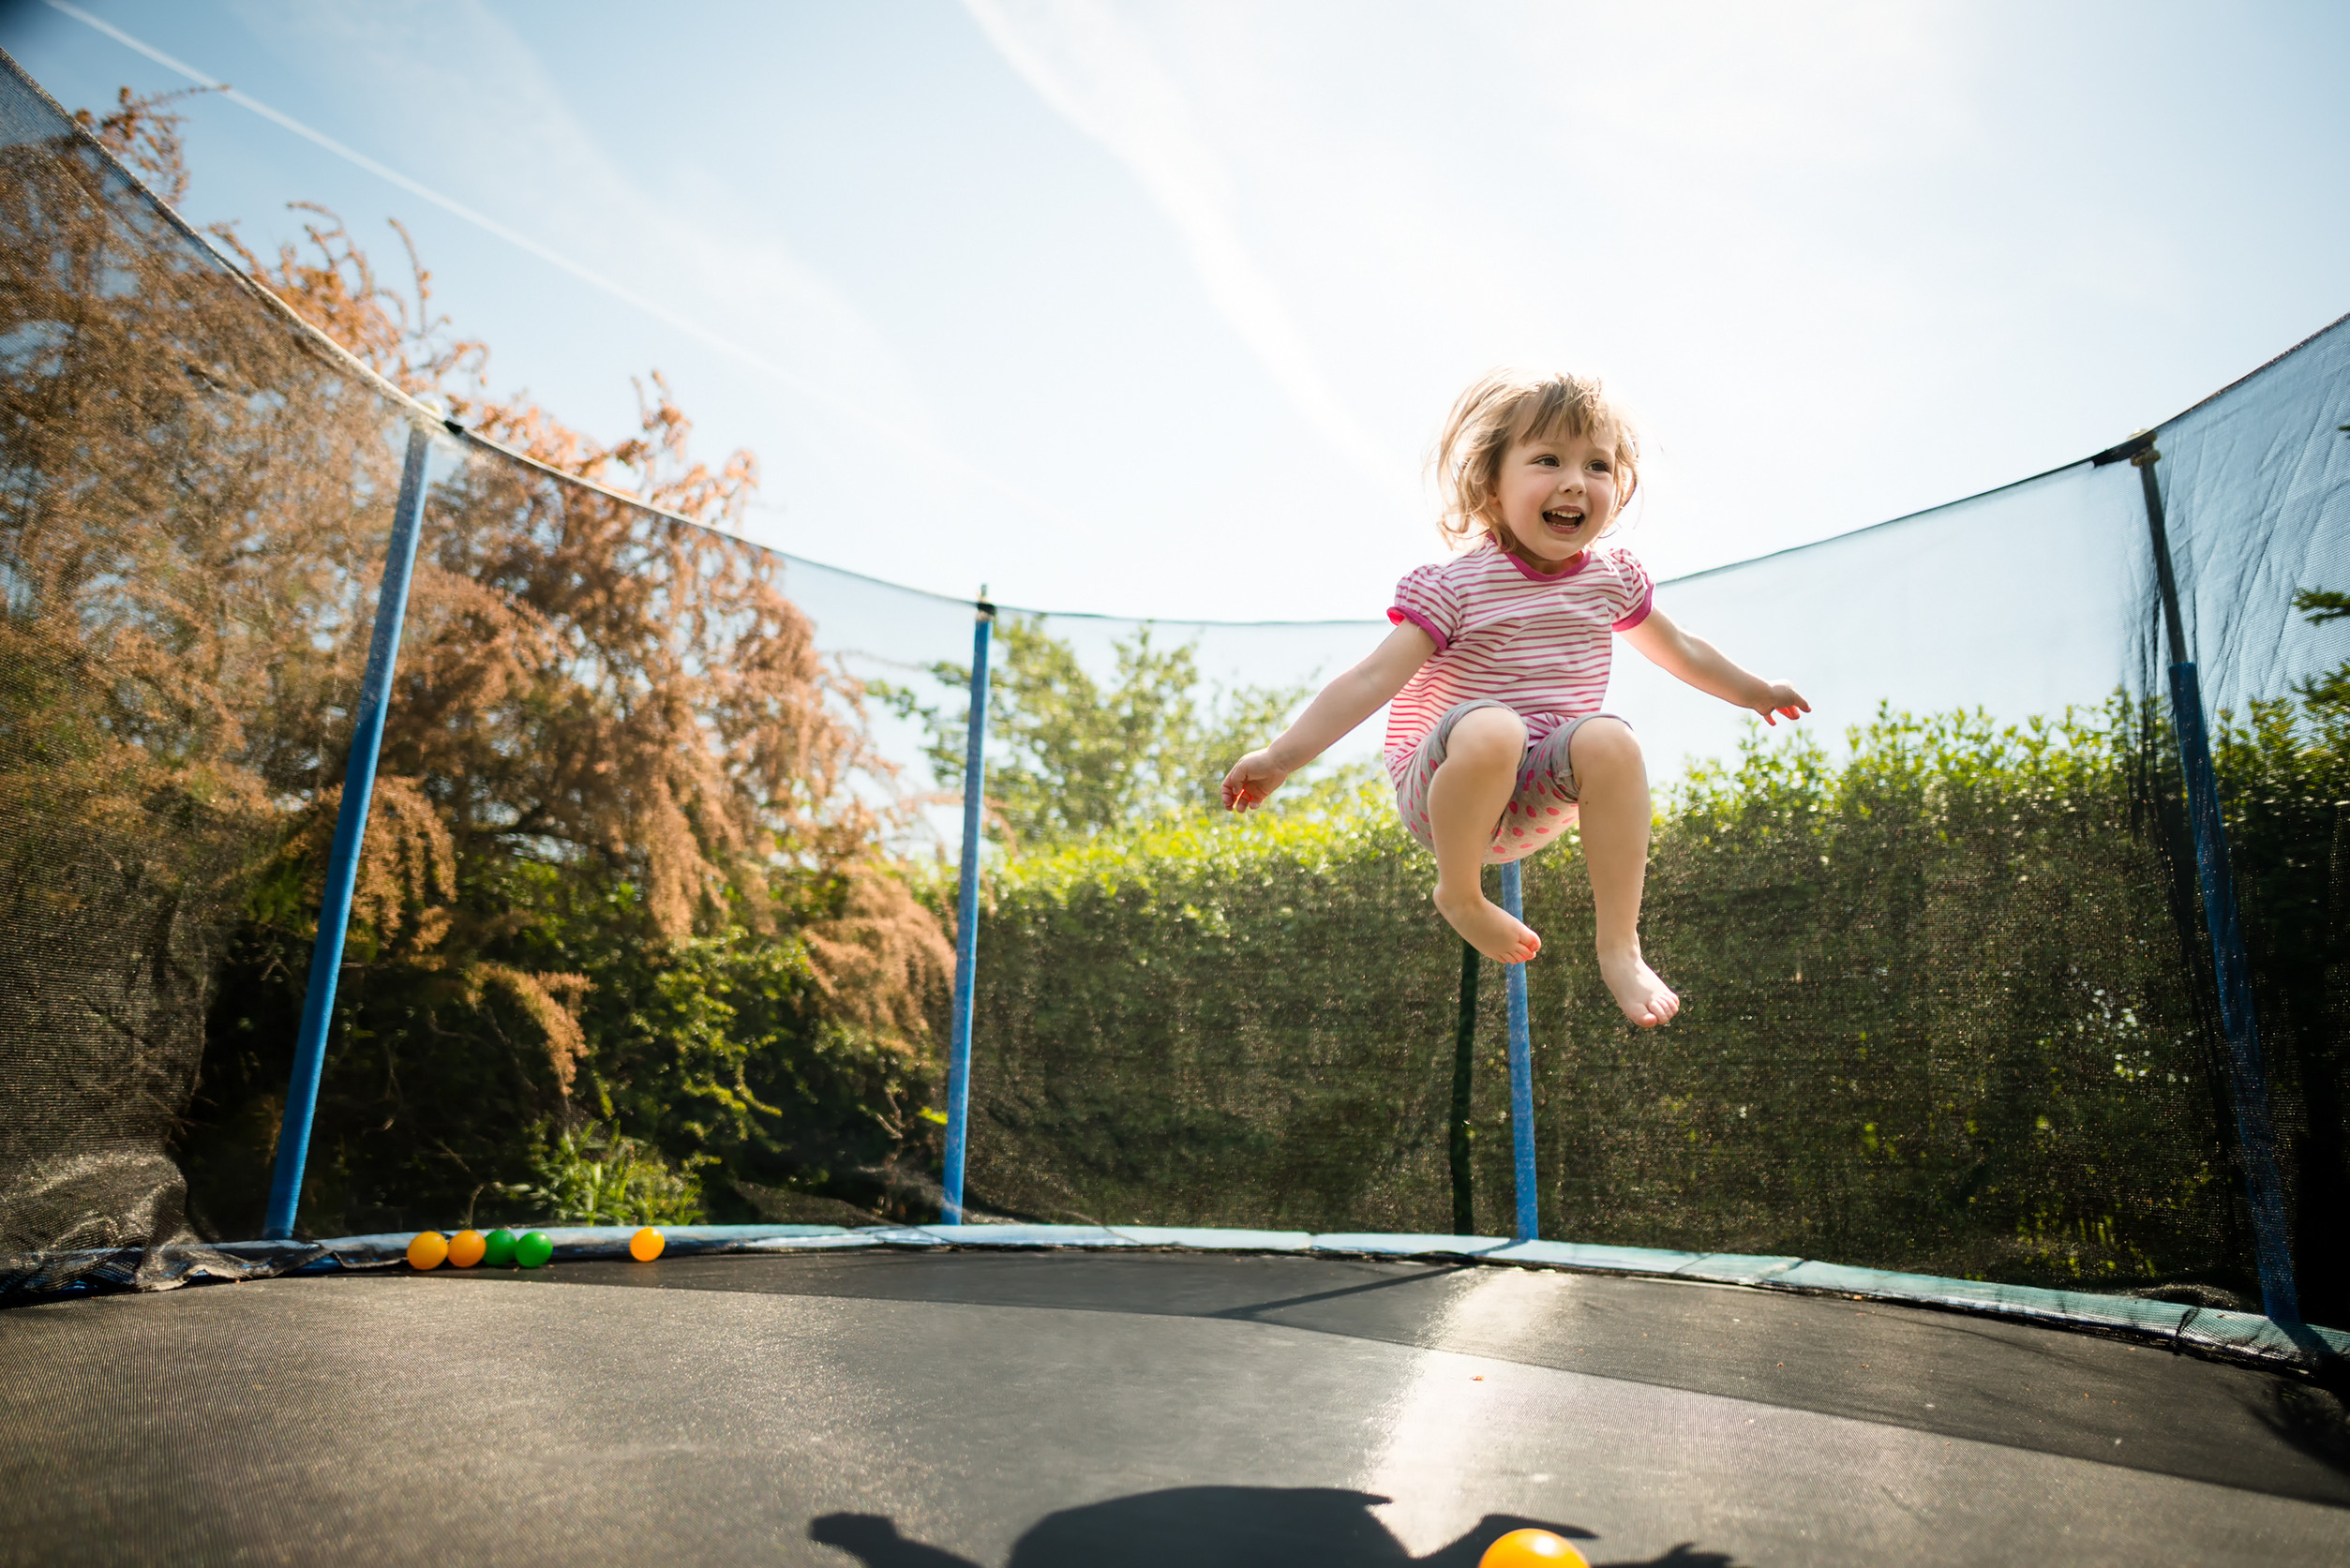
x=176, y=549
x=2328, y=694
x=596, y=1175
x=1071, y=758
x=1209, y=1020
x=1936, y=1019
x=618, y=872
x=2285, y=773
x=1939, y=1019
x=144, y=134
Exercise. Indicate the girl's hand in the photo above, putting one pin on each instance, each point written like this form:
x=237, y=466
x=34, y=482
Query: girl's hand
x=1781, y=698
x=1251, y=779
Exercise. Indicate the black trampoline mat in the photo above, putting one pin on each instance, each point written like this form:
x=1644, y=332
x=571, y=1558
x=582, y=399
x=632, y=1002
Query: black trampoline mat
x=1039, y=1409
x=1954, y=1373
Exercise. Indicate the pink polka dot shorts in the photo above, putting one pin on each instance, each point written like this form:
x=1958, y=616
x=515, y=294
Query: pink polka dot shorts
x=1540, y=809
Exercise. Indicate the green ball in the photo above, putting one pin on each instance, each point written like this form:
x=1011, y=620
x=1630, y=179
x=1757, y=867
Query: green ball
x=533, y=1250
x=497, y=1249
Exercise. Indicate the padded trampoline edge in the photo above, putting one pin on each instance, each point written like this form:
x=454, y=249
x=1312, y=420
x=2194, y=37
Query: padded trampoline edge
x=2236, y=1335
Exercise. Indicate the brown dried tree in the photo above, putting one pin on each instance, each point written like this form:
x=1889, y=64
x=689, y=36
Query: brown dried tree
x=590, y=690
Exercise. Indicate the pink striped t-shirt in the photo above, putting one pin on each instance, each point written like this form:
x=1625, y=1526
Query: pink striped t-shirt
x=1540, y=643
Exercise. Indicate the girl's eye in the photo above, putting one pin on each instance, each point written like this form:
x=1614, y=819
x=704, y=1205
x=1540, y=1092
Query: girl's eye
x=1546, y=460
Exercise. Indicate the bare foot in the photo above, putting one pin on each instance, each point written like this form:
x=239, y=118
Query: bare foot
x=1487, y=927
x=1646, y=1000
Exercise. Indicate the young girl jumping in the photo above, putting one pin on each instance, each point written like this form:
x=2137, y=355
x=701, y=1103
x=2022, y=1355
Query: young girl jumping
x=1498, y=664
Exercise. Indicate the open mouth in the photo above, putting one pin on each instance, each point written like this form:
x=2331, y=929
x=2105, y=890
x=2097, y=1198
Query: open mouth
x=1564, y=522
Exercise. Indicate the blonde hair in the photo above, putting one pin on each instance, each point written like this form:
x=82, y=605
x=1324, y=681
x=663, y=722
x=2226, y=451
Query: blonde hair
x=1507, y=406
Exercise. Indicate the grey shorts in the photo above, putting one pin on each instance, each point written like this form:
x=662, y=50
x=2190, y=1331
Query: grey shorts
x=1542, y=806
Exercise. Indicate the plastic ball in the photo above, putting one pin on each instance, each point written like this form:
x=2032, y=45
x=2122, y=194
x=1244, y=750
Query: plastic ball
x=533, y=1250
x=465, y=1250
x=646, y=1245
x=426, y=1250
x=1527, y=1548
x=497, y=1249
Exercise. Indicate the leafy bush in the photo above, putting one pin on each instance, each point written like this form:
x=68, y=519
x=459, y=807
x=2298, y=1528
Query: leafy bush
x=1938, y=1017
x=594, y=1175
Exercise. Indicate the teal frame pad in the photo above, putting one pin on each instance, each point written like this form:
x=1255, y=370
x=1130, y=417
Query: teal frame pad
x=2235, y=1335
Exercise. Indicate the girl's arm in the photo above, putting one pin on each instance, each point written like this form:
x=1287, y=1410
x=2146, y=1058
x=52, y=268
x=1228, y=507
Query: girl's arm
x=1701, y=665
x=1343, y=704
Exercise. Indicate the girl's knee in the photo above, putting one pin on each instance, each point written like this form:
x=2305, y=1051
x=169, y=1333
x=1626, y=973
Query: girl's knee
x=1604, y=743
x=1486, y=735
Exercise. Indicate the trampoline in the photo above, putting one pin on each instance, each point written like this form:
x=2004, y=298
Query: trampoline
x=919, y=1406
x=1984, y=1205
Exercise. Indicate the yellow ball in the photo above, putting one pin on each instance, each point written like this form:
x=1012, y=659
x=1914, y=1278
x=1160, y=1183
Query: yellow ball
x=427, y=1249
x=646, y=1245
x=1531, y=1548
x=465, y=1250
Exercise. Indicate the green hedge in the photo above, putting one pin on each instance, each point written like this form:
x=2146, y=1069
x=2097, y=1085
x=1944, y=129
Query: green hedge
x=1937, y=1017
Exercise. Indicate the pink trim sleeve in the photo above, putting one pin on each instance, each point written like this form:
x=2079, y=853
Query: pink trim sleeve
x=1398, y=614
x=1640, y=611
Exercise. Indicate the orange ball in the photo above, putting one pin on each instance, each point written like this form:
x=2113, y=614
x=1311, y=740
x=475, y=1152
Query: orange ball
x=1531, y=1548
x=427, y=1249
x=646, y=1245
x=465, y=1250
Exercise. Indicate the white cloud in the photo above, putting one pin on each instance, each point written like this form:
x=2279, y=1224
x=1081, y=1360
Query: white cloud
x=1085, y=62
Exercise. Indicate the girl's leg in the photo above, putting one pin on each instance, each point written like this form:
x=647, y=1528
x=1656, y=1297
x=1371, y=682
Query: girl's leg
x=1611, y=782
x=1465, y=801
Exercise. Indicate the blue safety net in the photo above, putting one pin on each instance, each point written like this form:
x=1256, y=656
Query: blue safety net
x=655, y=909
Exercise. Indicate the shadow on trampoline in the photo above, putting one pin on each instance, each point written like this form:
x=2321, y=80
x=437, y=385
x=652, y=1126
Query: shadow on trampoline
x=2312, y=1421
x=1234, y=1527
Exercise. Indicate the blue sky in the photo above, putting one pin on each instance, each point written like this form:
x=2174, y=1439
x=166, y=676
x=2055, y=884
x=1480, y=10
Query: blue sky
x=1155, y=309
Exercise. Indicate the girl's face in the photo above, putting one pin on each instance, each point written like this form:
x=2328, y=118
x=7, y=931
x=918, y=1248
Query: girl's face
x=1556, y=496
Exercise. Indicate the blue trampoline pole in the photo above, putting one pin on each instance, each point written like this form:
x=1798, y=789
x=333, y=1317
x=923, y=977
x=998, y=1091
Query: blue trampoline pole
x=2248, y=1079
x=966, y=918
x=1521, y=1072
x=351, y=827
